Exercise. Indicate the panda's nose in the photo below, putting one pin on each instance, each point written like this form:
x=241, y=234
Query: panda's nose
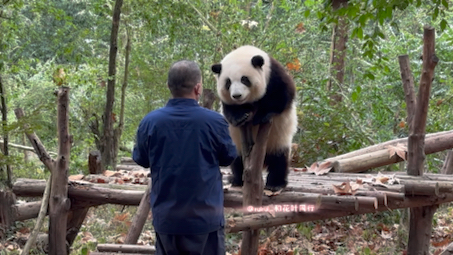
x=237, y=96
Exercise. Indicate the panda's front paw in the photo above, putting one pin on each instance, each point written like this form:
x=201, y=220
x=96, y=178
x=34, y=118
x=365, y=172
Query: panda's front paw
x=237, y=122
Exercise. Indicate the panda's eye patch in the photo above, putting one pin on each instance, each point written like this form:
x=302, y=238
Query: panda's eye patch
x=227, y=83
x=245, y=80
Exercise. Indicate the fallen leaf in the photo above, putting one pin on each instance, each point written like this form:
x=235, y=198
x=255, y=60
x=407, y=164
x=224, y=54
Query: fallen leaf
x=324, y=168
x=300, y=28
x=295, y=65
x=109, y=173
x=382, y=179
x=121, y=217
x=342, y=189
x=400, y=150
x=76, y=177
x=441, y=243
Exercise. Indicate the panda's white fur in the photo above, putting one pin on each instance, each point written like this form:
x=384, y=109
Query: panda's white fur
x=238, y=63
x=234, y=67
x=284, y=127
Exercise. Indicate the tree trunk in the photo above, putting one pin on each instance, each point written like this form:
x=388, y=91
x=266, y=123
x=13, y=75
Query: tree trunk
x=408, y=85
x=120, y=128
x=338, y=50
x=59, y=203
x=108, y=141
x=420, y=226
x=7, y=200
x=5, y=132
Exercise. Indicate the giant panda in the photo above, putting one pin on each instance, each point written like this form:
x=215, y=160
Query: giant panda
x=252, y=83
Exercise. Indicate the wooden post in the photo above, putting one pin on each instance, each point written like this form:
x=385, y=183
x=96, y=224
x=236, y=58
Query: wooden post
x=420, y=226
x=95, y=162
x=208, y=99
x=7, y=200
x=59, y=203
x=139, y=218
x=253, y=180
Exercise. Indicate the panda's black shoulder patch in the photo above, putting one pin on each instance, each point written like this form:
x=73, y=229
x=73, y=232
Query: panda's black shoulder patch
x=257, y=61
x=280, y=93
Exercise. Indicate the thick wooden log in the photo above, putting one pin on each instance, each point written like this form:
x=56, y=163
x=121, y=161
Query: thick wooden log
x=130, y=167
x=421, y=188
x=91, y=194
x=383, y=145
x=59, y=203
x=265, y=220
x=253, y=181
x=139, y=218
x=126, y=248
x=26, y=211
x=382, y=158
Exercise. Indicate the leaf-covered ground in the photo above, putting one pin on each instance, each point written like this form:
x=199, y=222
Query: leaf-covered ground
x=380, y=233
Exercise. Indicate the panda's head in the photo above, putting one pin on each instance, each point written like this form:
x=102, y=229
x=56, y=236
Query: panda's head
x=242, y=75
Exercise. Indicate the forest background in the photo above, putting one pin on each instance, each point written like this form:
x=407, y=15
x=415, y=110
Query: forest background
x=347, y=98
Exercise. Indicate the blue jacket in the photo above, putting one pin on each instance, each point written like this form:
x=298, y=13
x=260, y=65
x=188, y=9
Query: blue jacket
x=184, y=144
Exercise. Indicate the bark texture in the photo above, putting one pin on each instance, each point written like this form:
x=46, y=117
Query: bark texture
x=59, y=203
x=108, y=144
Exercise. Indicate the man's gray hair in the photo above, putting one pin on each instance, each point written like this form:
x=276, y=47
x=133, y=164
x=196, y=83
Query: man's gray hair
x=182, y=77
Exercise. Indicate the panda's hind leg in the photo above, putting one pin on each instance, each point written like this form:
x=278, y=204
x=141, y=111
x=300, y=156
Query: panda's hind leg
x=237, y=167
x=278, y=168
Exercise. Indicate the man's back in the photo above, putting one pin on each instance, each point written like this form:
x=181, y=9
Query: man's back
x=184, y=144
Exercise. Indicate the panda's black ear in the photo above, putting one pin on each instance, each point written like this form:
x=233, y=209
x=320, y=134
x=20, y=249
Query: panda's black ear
x=257, y=61
x=216, y=68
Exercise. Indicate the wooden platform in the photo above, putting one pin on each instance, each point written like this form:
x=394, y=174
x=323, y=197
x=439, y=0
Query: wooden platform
x=324, y=196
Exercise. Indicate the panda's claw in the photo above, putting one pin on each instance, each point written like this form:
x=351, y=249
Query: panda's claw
x=241, y=121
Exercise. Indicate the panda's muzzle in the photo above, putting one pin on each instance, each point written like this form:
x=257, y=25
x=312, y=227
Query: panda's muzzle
x=239, y=92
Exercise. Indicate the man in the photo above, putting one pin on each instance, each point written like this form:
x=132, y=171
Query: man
x=184, y=144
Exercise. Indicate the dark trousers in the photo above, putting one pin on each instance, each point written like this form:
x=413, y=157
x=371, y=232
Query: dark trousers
x=207, y=244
